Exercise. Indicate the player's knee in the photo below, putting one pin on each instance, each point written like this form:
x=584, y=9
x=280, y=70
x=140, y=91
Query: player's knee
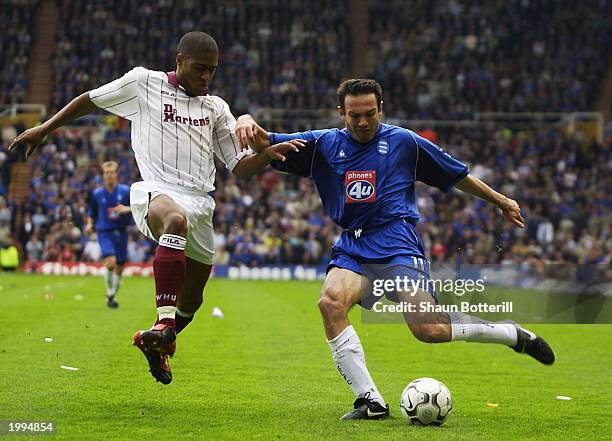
x=330, y=303
x=430, y=332
x=175, y=223
x=110, y=264
x=328, y=306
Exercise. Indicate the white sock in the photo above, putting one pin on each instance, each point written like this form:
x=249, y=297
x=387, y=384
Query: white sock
x=108, y=281
x=164, y=312
x=116, y=283
x=470, y=328
x=350, y=359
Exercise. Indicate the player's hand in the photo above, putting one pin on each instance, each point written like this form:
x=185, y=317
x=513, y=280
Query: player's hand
x=89, y=229
x=251, y=134
x=120, y=209
x=277, y=151
x=512, y=212
x=32, y=138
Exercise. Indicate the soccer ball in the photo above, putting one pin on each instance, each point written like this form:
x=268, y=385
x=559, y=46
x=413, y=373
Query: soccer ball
x=426, y=402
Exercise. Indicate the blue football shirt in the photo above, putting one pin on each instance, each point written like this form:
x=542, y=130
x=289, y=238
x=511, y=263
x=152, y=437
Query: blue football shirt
x=364, y=186
x=101, y=203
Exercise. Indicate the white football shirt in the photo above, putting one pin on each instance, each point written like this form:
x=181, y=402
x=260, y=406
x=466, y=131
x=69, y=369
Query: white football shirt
x=174, y=135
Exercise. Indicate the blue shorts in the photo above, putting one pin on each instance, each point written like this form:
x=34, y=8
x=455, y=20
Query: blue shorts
x=114, y=243
x=391, y=251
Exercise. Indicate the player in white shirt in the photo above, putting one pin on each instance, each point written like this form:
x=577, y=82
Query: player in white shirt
x=177, y=128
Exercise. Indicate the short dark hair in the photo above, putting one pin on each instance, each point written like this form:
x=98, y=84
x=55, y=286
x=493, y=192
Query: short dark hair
x=196, y=43
x=359, y=86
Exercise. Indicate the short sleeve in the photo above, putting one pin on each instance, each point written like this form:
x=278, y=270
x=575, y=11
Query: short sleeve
x=120, y=96
x=225, y=142
x=435, y=167
x=297, y=163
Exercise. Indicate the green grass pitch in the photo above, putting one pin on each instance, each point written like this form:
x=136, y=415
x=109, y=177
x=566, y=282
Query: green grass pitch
x=265, y=372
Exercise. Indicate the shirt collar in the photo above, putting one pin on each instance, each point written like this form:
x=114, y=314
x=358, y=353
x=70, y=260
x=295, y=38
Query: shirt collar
x=172, y=78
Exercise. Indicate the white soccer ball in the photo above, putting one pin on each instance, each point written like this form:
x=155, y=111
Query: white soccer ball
x=426, y=401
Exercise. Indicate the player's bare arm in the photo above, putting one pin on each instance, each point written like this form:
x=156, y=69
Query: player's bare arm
x=252, y=164
x=510, y=208
x=80, y=106
x=121, y=209
x=89, y=226
x=251, y=134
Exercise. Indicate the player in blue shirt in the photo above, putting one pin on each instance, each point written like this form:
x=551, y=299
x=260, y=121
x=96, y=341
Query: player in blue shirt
x=109, y=215
x=365, y=175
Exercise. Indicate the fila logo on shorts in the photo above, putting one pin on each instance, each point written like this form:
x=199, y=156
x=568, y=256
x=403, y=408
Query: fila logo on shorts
x=360, y=186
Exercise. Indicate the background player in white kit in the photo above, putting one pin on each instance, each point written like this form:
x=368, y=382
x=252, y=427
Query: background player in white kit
x=176, y=130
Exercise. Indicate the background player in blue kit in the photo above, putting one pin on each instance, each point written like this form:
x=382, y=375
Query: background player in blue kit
x=365, y=175
x=109, y=215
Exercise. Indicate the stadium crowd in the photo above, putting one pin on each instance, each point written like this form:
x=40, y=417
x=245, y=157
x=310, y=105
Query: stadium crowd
x=434, y=59
x=272, y=54
x=16, y=22
x=447, y=59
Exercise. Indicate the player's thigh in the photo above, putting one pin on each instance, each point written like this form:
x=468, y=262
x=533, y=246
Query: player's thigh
x=120, y=242
x=163, y=213
x=342, y=289
x=107, y=248
x=196, y=276
x=200, y=239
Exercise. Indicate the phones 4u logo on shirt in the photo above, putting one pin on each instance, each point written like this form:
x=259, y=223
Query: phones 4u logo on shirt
x=360, y=186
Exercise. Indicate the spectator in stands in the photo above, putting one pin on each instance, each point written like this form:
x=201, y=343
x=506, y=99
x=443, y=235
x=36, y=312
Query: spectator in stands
x=9, y=256
x=5, y=211
x=34, y=248
x=91, y=251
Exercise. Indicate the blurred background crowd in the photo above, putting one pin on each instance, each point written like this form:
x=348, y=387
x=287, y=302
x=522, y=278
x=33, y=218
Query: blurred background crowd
x=442, y=60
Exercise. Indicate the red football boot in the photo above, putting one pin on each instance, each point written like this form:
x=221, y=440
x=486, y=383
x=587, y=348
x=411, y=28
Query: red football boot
x=157, y=344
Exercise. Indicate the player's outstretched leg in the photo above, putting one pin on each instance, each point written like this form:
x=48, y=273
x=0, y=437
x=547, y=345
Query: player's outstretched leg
x=434, y=327
x=341, y=291
x=169, y=225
